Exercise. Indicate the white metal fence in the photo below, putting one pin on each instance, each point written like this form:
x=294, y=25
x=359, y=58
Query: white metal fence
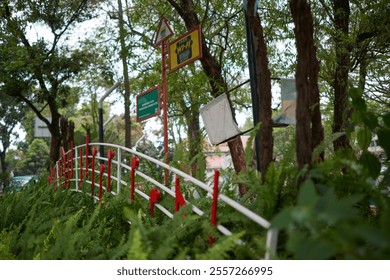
x=79, y=165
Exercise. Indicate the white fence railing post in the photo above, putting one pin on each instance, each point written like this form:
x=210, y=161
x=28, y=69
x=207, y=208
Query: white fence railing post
x=76, y=166
x=119, y=170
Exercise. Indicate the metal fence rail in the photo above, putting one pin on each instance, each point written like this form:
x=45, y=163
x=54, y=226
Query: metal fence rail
x=79, y=164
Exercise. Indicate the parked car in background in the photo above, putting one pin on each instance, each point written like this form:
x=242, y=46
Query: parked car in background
x=18, y=182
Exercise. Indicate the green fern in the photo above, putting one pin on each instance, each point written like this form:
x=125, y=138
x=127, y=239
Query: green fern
x=222, y=248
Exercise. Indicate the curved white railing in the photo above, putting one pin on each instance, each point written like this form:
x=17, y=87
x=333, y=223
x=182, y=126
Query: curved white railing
x=76, y=167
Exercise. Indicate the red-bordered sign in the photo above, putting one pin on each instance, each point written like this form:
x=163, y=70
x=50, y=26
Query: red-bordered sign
x=185, y=49
x=164, y=31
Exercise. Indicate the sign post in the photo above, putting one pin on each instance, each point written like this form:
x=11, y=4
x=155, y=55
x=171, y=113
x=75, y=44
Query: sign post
x=185, y=49
x=182, y=51
x=148, y=104
x=164, y=31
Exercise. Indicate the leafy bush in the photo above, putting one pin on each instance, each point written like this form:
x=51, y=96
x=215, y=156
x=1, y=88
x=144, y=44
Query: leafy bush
x=62, y=224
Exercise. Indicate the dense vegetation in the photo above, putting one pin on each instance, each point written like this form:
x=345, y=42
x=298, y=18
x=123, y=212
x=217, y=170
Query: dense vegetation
x=40, y=223
x=318, y=182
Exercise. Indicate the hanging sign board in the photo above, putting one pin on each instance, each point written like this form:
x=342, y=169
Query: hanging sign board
x=148, y=104
x=185, y=49
x=40, y=128
x=164, y=31
x=289, y=103
x=218, y=120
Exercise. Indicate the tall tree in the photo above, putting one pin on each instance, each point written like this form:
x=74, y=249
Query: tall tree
x=343, y=47
x=11, y=114
x=36, y=70
x=213, y=69
x=126, y=82
x=263, y=89
x=309, y=125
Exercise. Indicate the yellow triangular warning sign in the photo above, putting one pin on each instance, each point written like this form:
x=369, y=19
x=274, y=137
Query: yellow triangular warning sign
x=164, y=31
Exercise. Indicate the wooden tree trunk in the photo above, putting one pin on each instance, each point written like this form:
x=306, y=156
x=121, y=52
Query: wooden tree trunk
x=340, y=81
x=213, y=70
x=194, y=134
x=55, y=143
x=55, y=131
x=263, y=89
x=309, y=131
x=64, y=125
x=2, y=161
x=126, y=82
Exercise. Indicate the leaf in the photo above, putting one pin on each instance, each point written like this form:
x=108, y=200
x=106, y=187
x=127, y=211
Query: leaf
x=364, y=137
x=314, y=249
x=307, y=195
x=220, y=249
x=325, y=144
x=370, y=120
x=283, y=219
x=374, y=236
x=357, y=101
x=371, y=164
x=137, y=250
x=342, y=210
x=383, y=140
x=386, y=120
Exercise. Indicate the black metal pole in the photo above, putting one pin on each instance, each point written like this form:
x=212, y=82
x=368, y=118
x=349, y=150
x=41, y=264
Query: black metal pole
x=100, y=111
x=253, y=81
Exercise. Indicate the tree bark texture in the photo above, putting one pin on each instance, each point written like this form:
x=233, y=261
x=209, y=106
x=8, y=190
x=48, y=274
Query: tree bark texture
x=263, y=89
x=309, y=130
x=213, y=70
x=341, y=12
x=194, y=134
x=126, y=82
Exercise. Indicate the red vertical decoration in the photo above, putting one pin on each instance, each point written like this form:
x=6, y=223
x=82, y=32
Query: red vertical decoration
x=154, y=197
x=110, y=156
x=214, y=204
x=50, y=178
x=101, y=182
x=71, y=159
x=134, y=166
x=94, y=153
x=179, y=199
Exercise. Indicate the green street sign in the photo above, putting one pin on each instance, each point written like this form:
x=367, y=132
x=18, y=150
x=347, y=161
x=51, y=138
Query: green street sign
x=148, y=104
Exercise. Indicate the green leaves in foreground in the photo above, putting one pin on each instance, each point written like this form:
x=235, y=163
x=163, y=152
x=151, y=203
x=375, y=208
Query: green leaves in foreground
x=322, y=226
x=67, y=225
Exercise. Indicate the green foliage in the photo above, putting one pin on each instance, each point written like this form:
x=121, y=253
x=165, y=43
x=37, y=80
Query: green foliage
x=324, y=226
x=40, y=223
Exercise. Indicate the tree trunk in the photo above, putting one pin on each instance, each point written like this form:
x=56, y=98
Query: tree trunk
x=309, y=131
x=64, y=124
x=56, y=138
x=213, y=70
x=263, y=89
x=2, y=160
x=194, y=137
x=340, y=81
x=126, y=82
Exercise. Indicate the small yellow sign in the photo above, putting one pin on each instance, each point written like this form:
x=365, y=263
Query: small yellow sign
x=185, y=49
